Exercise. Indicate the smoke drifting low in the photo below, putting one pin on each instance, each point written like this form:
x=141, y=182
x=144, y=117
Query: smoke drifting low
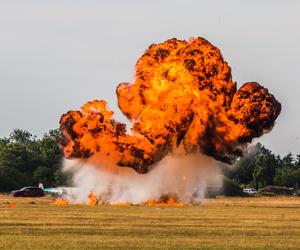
x=183, y=178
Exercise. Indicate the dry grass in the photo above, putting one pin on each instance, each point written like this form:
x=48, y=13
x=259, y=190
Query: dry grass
x=223, y=223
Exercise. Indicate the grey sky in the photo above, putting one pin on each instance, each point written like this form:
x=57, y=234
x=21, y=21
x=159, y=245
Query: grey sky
x=55, y=54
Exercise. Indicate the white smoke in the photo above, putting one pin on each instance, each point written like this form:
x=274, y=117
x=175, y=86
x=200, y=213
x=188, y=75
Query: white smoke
x=188, y=178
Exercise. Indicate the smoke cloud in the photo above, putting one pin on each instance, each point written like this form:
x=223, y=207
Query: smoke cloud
x=183, y=178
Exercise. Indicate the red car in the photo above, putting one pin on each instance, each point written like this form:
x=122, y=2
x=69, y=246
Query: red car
x=28, y=192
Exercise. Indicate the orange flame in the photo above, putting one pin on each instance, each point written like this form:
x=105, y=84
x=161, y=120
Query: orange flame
x=93, y=201
x=61, y=202
x=164, y=203
x=183, y=99
x=12, y=205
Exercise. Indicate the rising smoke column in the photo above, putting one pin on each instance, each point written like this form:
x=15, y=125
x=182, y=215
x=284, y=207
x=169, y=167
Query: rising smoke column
x=183, y=100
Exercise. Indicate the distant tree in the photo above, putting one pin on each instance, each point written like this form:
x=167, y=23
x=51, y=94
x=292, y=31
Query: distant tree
x=265, y=168
x=287, y=161
x=43, y=174
x=248, y=169
x=288, y=171
x=50, y=153
x=20, y=136
x=16, y=166
x=3, y=142
x=51, y=157
x=244, y=167
x=287, y=177
x=25, y=160
x=297, y=161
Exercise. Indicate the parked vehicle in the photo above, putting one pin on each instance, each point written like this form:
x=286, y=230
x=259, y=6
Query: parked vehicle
x=250, y=191
x=60, y=191
x=53, y=191
x=28, y=192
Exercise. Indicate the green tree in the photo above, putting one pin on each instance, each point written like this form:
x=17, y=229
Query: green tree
x=244, y=168
x=16, y=166
x=287, y=177
x=287, y=161
x=297, y=161
x=20, y=136
x=265, y=168
x=25, y=160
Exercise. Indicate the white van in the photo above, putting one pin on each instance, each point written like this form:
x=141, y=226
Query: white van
x=250, y=191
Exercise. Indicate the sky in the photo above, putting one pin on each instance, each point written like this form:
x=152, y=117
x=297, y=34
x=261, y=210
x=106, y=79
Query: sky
x=55, y=55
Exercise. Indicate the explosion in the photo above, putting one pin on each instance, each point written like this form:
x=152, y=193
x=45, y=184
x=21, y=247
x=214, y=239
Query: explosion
x=183, y=101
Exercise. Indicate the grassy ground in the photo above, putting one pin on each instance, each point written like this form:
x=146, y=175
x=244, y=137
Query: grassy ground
x=222, y=223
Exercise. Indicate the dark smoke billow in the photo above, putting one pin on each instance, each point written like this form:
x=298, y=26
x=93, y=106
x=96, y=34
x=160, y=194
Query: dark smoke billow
x=183, y=101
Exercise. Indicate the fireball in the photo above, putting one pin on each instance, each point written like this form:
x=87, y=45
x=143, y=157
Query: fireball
x=183, y=101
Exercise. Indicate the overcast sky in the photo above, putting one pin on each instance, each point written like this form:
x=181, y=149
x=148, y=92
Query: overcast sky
x=56, y=54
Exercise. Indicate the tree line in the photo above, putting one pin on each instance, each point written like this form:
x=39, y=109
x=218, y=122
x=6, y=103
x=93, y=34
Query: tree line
x=260, y=168
x=27, y=160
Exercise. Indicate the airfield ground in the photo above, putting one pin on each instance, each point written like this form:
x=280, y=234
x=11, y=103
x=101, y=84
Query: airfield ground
x=222, y=223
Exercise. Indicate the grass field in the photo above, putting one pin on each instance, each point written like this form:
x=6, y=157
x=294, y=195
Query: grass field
x=222, y=223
